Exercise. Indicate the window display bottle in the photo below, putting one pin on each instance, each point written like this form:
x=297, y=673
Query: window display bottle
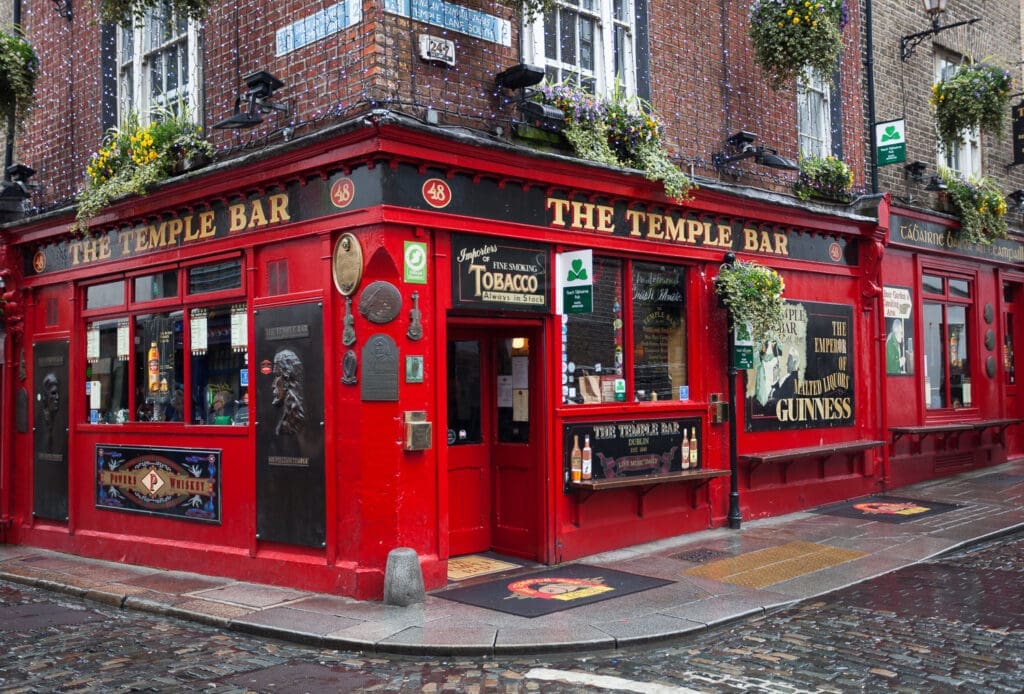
x=693, y=448
x=685, y=454
x=587, y=469
x=153, y=360
x=576, y=459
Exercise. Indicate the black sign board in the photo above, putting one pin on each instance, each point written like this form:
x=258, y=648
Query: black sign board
x=633, y=448
x=50, y=477
x=929, y=235
x=803, y=375
x=290, y=486
x=176, y=482
x=500, y=274
x=1018, y=133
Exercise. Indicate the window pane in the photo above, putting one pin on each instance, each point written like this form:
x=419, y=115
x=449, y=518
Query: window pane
x=568, y=43
x=960, y=288
x=934, y=357
x=659, y=331
x=593, y=341
x=513, y=354
x=163, y=285
x=587, y=45
x=959, y=364
x=103, y=295
x=464, y=391
x=1008, y=367
x=932, y=284
x=219, y=391
x=106, y=375
x=159, y=366
x=215, y=277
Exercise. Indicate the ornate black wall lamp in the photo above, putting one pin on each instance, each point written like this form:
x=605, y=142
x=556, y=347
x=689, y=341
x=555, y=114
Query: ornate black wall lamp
x=261, y=86
x=933, y=8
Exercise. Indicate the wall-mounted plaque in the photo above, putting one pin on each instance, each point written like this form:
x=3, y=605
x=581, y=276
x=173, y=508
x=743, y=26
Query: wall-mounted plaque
x=990, y=366
x=990, y=314
x=990, y=339
x=347, y=265
x=380, y=370
x=380, y=302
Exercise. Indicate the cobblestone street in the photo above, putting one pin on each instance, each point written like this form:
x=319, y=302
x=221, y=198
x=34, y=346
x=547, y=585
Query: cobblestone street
x=952, y=624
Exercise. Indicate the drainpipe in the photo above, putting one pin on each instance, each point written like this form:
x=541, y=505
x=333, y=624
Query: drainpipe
x=869, y=71
x=9, y=149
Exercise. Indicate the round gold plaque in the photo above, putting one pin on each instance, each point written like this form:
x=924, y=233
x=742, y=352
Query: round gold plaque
x=347, y=265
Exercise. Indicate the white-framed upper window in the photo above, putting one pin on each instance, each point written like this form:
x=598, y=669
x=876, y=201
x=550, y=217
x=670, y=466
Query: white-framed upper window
x=158, y=65
x=965, y=158
x=814, y=115
x=588, y=42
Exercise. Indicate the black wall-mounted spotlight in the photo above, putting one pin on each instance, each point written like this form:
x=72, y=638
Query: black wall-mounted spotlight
x=519, y=78
x=936, y=185
x=742, y=146
x=14, y=192
x=261, y=86
x=915, y=171
x=1017, y=198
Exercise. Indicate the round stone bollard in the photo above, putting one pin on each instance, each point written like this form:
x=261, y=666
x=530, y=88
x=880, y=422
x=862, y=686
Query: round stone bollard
x=403, y=578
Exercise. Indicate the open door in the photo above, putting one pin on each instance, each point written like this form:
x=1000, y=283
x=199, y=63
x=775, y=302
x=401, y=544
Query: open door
x=1012, y=327
x=495, y=461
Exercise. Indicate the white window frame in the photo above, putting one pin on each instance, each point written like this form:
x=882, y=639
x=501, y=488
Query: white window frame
x=965, y=159
x=602, y=79
x=137, y=47
x=814, y=115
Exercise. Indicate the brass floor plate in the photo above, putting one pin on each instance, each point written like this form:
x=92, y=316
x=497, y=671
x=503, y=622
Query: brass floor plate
x=472, y=565
x=774, y=564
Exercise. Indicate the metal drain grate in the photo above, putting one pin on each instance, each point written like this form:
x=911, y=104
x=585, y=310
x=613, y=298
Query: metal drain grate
x=701, y=554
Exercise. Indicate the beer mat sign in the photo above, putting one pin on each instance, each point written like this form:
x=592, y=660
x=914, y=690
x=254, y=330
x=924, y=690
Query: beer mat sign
x=182, y=483
x=500, y=274
x=635, y=448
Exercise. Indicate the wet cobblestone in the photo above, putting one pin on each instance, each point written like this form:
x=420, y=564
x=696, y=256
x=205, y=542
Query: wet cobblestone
x=950, y=625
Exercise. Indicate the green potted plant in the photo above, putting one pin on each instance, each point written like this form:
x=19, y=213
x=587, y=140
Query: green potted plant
x=19, y=68
x=980, y=205
x=823, y=177
x=135, y=157
x=792, y=36
x=752, y=294
x=977, y=95
x=621, y=131
x=125, y=12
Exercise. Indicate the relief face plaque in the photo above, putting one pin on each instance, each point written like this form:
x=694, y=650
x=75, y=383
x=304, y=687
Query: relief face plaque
x=380, y=302
x=347, y=264
x=380, y=370
x=50, y=404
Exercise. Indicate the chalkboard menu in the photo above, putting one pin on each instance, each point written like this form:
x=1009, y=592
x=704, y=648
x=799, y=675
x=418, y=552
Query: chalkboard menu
x=634, y=448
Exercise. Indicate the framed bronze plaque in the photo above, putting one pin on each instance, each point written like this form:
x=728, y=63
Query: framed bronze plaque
x=380, y=302
x=347, y=264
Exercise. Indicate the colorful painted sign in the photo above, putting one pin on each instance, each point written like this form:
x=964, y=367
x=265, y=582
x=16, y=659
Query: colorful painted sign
x=182, y=483
x=899, y=331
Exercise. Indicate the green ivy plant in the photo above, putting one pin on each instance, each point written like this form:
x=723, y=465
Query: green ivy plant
x=980, y=205
x=530, y=9
x=127, y=12
x=752, y=294
x=977, y=95
x=620, y=131
x=19, y=68
x=134, y=157
x=823, y=177
x=792, y=36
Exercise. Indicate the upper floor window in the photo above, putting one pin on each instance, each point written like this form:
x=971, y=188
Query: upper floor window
x=814, y=116
x=158, y=64
x=588, y=42
x=963, y=159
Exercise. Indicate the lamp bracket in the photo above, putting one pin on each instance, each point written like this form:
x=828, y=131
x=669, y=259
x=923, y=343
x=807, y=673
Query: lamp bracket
x=911, y=41
x=63, y=8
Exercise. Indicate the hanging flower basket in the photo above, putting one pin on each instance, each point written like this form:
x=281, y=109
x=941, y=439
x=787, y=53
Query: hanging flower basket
x=980, y=205
x=976, y=96
x=828, y=178
x=19, y=68
x=752, y=294
x=127, y=12
x=792, y=36
x=135, y=157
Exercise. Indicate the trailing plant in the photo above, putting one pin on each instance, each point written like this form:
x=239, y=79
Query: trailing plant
x=825, y=177
x=135, y=157
x=752, y=294
x=979, y=204
x=529, y=9
x=622, y=131
x=977, y=95
x=127, y=12
x=792, y=36
x=19, y=68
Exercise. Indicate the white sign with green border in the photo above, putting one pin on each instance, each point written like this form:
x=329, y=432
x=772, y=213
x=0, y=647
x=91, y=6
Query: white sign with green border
x=890, y=142
x=575, y=291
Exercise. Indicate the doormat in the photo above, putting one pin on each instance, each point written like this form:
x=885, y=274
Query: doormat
x=473, y=565
x=887, y=509
x=771, y=565
x=538, y=594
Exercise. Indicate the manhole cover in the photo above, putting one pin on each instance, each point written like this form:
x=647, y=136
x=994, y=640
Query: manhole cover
x=701, y=554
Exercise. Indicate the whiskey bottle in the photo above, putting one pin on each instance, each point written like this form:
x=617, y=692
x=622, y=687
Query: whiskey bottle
x=587, y=462
x=576, y=459
x=685, y=455
x=154, y=367
x=693, y=448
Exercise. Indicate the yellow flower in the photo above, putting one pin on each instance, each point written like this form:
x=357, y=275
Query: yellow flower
x=796, y=20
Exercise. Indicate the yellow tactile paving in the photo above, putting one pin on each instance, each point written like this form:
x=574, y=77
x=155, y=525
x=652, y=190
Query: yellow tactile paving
x=774, y=564
x=472, y=565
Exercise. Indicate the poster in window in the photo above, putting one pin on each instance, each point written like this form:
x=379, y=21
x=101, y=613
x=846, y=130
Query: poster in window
x=803, y=374
x=899, y=331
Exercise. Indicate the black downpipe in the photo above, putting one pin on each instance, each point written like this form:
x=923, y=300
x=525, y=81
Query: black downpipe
x=9, y=148
x=869, y=70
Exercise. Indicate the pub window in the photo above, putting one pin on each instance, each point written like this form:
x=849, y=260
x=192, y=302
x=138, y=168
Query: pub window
x=168, y=363
x=603, y=362
x=948, y=347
